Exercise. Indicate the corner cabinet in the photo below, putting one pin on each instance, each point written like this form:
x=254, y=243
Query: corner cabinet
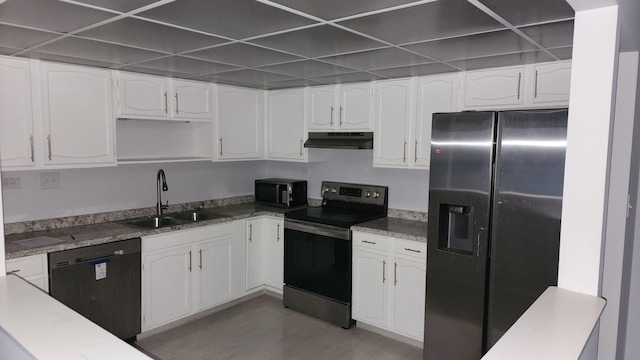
x=389, y=283
x=340, y=107
x=286, y=132
x=239, y=123
x=78, y=122
x=265, y=254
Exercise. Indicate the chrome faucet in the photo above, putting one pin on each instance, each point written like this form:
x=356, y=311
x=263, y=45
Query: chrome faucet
x=161, y=179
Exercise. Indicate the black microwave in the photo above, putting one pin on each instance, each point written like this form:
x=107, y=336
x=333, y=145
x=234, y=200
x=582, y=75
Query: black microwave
x=281, y=192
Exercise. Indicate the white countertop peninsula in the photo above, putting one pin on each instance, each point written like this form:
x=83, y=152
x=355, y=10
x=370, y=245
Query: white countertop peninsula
x=46, y=329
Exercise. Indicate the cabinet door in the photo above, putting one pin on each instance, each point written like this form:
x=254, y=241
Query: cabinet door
x=239, y=117
x=435, y=94
x=370, y=288
x=167, y=285
x=409, y=297
x=215, y=270
x=77, y=115
x=255, y=251
x=143, y=95
x=286, y=133
x=191, y=100
x=322, y=108
x=274, y=254
x=494, y=87
x=394, y=111
x=354, y=112
x=552, y=82
x=31, y=268
x=16, y=127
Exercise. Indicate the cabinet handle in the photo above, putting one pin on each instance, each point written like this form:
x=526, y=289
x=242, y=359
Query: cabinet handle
x=535, y=86
x=49, y=145
x=278, y=238
x=395, y=273
x=332, y=116
x=415, y=251
x=200, y=252
x=384, y=265
x=404, y=153
x=177, y=111
x=415, y=152
x=13, y=271
x=32, y=154
x=250, y=231
x=301, y=142
x=369, y=242
x=519, y=81
x=189, y=260
x=340, y=115
x=166, y=104
x=220, y=146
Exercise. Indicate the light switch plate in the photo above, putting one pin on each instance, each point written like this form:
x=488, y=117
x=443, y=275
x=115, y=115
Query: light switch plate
x=10, y=183
x=50, y=180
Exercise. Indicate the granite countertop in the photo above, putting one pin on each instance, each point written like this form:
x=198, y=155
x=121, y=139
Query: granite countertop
x=395, y=227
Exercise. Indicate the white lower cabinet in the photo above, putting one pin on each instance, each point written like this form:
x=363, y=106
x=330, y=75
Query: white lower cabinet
x=188, y=271
x=31, y=268
x=265, y=254
x=389, y=283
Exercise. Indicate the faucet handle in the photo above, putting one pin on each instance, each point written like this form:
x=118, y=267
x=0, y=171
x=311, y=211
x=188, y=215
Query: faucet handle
x=166, y=206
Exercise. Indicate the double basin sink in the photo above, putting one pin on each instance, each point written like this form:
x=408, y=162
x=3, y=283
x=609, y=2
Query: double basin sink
x=185, y=217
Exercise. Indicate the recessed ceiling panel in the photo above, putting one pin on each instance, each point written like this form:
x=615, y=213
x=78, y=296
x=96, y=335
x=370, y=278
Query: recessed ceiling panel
x=524, y=58
x=378, y=59
x=334, y=9
x=50, y=15
x=417, y=70
x=252, y=76
x=564, y=53
x=551, y=35
x=95, y=50
x=68, y=59
x=497, y=42
x=319, y=41
x=307, y=69
x=237, y=19
x=348, y=78
x=521, y=12
x=429, y=21
x=151, y=36
x=184, y=65
x=17, y=37
x=243, y=55
x=118, y=5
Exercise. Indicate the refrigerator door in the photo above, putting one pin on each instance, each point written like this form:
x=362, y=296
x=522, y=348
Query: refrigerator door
x=459, y=203
x=527, y=206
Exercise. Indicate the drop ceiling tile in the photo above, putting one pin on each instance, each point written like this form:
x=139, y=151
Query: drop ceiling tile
x=151, y=36
x=158, y=72
x=429, y=21
x=17, y=37
x=89, y=49
x=378, y=59
x=68, y=59
x=184, y=65
x=213, y=79
x=348, y=78
x=118, y=5
x=243, y=55
x=8, y=50
x=292, y=84
x=417, y=70
x=497, y=42
x=307, y=69
x=520, y=12
x=564, y=53
x=523, y=58
x=251, y=76
x=319, y=41
x=551, y=35
x=236, y=19
x=333, y=9
x=50, y=15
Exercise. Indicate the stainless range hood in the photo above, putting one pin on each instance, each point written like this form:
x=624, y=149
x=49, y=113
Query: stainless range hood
x=340, y=140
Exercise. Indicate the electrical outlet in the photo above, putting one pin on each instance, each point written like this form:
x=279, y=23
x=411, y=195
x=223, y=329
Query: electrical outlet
x=50, y=180
x=10, y=183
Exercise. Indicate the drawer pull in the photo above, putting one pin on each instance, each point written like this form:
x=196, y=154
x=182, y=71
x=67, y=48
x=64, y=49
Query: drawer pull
x=369, y=242
x=416, y=251
x=13, y=271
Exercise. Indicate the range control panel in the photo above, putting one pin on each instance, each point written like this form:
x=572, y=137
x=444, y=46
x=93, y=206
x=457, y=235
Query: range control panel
x=360, y=193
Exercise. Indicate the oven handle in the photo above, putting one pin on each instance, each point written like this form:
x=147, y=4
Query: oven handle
x=318, y=229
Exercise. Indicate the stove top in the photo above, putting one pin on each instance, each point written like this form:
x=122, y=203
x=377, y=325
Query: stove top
x=333, y=216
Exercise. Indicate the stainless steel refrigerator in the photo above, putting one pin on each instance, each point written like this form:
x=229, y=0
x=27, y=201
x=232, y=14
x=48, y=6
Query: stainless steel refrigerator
x=495, y=200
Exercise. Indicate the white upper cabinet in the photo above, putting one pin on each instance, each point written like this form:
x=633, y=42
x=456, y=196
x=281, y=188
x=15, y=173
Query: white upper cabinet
x=496, y=87
x=340, y=107
x=552, y=82
x=77, y=116
x=153, y=97
x=16, y=127
x=394, y=112
x=286, y=131
x=239, y=123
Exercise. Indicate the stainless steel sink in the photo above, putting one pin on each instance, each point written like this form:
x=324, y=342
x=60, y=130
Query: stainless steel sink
x=195, y=216
x=154, y=222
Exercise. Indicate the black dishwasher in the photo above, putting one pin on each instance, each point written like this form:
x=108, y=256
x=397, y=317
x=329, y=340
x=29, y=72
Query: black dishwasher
x=101, y=283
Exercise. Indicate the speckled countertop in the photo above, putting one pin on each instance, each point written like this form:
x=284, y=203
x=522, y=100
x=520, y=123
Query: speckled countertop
x=395, y=227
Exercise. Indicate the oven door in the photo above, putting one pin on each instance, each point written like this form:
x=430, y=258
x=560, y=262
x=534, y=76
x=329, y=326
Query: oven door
x=317, y=259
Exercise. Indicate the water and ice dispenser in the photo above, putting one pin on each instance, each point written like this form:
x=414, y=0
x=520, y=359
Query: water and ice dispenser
x=456, y=228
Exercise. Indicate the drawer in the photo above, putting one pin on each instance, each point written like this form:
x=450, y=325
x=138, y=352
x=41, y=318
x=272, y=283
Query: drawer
x=28, y=265
x=371, y=241
x=411, y=248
